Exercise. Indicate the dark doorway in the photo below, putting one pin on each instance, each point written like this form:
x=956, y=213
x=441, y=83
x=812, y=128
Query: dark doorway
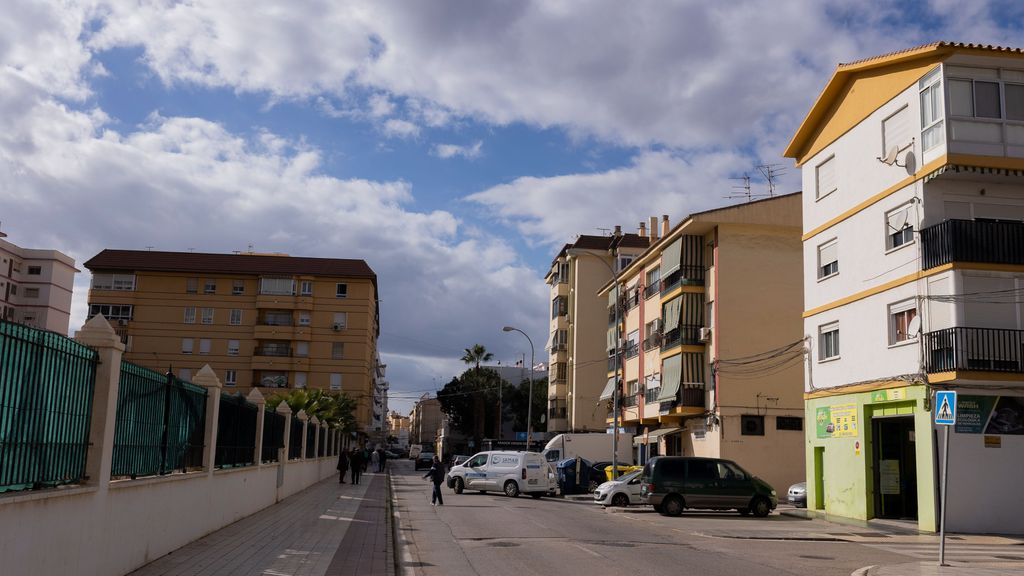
x=895, y=463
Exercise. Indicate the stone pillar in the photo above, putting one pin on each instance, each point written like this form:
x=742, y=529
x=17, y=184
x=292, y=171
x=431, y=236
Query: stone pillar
x=316, y=436
x=286, y=410
x=305, y=424
x=98, y=335
x=207, y=379
x=261, y=404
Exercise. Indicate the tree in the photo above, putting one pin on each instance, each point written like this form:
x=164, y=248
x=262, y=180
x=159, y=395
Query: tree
x=337, y=410
x=477, y=354
x=464, y=398
x=517, y=399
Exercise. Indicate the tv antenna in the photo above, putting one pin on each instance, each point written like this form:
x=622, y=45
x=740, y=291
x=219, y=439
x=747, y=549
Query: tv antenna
x=604, y=231
x=771, y=173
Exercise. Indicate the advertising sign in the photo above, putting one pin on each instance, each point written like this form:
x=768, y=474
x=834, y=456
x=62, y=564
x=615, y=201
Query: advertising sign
x=993, y=415
x=839, y=421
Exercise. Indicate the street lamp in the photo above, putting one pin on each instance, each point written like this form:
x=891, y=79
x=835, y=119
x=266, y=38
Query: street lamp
x=529, y=403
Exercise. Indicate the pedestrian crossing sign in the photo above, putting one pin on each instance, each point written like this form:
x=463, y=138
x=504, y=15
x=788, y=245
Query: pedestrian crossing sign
x=945, y=408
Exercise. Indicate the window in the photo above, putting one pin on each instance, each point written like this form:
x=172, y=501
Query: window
x=113, y=282
x=274, y=379
x=828, y=341
x=31, y=293
x=232, y=347
x=186, y=345
x=652, y=282
x=932, y=130
x=974, y=98
x=1014, y=94
x=238, y=287
x=789, y=423
x=230, y=378
x=111, y=311
x=279, y=286
x=901, y=315
x=623, y=262
x=633, y=344
x=306, y=288
x=35, y=270
x=207, y=316
x=899, y=227
x=700, y=470
x=302, y=349
x=303, y=318
x=335, y=381
x=340, y=320
x=204, y=345
x=828, y=259
x=185, y=374
x=341, y=291
x=559, y=306
x=235, y=317
x=825, y=178
x=210, y=287
x=190, y=315
x=338, y=350
x=300, y=379
x=191, y=285
x=563, y=273
x=751, y=425
x=896, y=131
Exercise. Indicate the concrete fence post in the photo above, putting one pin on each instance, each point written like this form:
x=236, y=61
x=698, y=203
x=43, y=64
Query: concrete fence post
x=286, y=410
x=261, y=404
x=305, y=424
x=98, y=335
x=316, y=436
x=208, y=379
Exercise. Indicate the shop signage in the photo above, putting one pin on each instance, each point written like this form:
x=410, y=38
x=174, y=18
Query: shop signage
x=891, y=395
x=889, y=476
x=839, y=421
x=1003, y=415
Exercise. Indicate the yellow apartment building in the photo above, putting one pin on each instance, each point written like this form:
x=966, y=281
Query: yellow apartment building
x=260, y=321
x=710, y=340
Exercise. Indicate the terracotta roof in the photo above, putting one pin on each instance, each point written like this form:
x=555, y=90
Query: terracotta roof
x=934, y=45
x=228, y=263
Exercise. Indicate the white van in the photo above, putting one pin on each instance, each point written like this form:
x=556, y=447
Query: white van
x=513, y=473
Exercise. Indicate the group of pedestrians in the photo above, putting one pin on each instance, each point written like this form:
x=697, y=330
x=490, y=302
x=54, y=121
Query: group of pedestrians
x=357, y=460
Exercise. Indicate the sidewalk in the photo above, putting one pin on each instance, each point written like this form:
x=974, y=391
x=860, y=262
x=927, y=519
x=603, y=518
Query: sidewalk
x=329, y=529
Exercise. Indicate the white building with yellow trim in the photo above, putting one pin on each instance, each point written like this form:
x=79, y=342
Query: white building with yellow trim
x=913, y=231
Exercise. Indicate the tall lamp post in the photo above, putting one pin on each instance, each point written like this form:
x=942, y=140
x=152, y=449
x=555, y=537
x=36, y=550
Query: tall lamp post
x=529, y=403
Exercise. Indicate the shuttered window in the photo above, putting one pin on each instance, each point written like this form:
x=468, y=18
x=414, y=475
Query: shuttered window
x=896, y=131
x=825, y=178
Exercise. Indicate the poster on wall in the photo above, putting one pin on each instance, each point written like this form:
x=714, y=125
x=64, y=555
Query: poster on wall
x=990, y=415
x=839, y=421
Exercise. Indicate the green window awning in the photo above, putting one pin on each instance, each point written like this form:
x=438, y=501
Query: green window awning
x=670, y=315
x=671, y=370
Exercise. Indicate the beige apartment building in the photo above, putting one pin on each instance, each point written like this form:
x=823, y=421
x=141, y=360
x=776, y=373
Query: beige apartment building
x=577, y=351
x=710, y=340
x=35, y=286
x=260, y=321
x=425, y=421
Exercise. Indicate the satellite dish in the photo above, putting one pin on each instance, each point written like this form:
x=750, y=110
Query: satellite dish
x=890, y=158
x=914, y=327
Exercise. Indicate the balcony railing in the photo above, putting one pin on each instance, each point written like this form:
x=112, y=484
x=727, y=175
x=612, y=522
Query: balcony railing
x=629, y=400
x=972, y=241
x=632, y=349
x=987, y=349
x=687, y=275
x=652, y=341
x=272, y=351
x=651, y=395
x=611, y=363
x=688, y=396
x=652, y=289
x=686, y=334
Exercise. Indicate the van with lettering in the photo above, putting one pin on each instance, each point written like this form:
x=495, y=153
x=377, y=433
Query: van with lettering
x=512, y=473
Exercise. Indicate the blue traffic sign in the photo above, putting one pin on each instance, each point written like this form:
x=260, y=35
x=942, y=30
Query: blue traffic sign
x=945, y=408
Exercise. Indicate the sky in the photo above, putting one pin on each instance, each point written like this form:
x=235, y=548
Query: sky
x=455, y=145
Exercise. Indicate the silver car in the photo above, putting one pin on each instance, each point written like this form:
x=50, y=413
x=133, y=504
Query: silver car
x=620, y=492
x=798, y=495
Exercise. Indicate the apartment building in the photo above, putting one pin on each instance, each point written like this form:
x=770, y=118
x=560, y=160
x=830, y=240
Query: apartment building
x=577, y=354
x=36, y=286
x=425, y=421
x=913, y=231
x=260, y=321
x=398, y=426
x=705, y=349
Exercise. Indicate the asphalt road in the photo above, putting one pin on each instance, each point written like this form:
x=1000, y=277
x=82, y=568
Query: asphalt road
x=493, y=535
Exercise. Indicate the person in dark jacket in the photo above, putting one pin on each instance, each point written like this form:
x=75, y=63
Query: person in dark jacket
x=342, y=466
x=356, y=463
x=382, y=458
x=436, y=475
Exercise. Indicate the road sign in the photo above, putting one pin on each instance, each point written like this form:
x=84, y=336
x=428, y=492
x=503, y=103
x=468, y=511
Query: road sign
x=945, y=408
x=521, y=436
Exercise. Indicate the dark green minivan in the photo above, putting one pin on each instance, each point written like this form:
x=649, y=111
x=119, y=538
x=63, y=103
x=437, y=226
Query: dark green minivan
x=674, y=483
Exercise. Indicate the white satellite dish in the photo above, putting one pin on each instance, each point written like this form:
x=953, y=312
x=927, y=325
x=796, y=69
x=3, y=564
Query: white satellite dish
x=890, y=158
x=914, y=327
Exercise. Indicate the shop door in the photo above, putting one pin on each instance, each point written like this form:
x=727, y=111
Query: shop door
x=895, y=463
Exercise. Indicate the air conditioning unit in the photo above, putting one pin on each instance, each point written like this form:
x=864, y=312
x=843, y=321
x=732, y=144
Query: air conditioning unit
x=338, y=327
x=705, y=334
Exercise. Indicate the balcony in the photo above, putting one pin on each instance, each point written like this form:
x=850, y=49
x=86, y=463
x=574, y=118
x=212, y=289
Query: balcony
x=274, y=332
x=652, y=290
x=974, y=349
x=612, y=364
x=688, y=396
x=688, y=275
x=972, y=241
x=276, y=351
x=632, y=349
x=629, y=400
x=688, y=334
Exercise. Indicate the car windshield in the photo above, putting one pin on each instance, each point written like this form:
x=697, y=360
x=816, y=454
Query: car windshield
x=629, y=477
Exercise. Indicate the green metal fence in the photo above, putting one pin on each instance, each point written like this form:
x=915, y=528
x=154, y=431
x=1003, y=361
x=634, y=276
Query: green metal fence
x=295, y=440
x=161, y=423
x=46, y=390
x=236, y=431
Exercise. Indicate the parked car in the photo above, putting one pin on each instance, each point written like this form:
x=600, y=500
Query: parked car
x=620, y=492
x=798, y=494
x=513, y=473
x=424, y=460
x=674, y=483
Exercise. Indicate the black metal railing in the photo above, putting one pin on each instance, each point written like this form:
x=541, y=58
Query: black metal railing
x=46, y=390
x=236, y=432
x=321, y=450
x=988, y=349
x=688, y=395
x=629, y=400
x=272, y=351
x=612, y=364
x=686, y=275
x=688, y=334
x=295, y=440
x=632, y=349
x=652, y=289
x=273, y=435
x=311, y=440
x=972, y=241
x=160, y=423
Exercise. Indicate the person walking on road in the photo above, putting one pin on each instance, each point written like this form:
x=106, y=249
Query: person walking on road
x=436, y=475
x=356, y=462
x=375, y=460
x=382, y=458
x=342, y=466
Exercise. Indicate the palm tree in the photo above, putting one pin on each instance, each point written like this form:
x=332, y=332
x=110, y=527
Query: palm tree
x=475, y=355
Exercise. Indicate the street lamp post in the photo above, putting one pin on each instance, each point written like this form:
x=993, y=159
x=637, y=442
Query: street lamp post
x=529, y=403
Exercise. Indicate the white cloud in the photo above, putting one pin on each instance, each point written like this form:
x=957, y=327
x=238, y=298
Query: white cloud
x=398, y=128
x=451, y=150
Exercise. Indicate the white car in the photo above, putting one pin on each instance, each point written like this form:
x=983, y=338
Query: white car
x=620, y=492
x=513, y=473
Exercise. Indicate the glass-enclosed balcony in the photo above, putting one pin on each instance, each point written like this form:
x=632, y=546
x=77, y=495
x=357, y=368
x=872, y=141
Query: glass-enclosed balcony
x=983, y=349
x=972, y=241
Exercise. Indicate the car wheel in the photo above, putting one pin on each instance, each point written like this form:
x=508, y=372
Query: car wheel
x=743, y=511
x=459, y=486
x=536, y=495
x=760, y=506
x=657, y=508
x=620, y=500
x=672, y=505
x=511, y=489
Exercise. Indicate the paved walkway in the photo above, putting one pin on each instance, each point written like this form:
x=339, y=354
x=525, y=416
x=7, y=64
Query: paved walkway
x=329, y=529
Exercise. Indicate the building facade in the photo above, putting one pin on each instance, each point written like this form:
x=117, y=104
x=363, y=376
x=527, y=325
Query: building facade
x=36, y=286
x=709, y=340
x=425, y=421
x=398, y=427
x=576, y=350
x=913, y=229
x=260, y=321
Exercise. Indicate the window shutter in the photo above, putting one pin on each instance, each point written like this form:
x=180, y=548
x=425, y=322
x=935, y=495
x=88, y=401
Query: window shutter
x=896, y=131
x=670, y=258
x=826, y=175
x=671, y=371
x=828, y=253
x=671, y=314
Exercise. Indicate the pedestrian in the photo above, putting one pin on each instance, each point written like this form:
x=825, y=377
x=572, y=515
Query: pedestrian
x=436, y=475
x=356, y=461
x=375, y=460
x=382, y=459
x=366, y=457
x=342, y=466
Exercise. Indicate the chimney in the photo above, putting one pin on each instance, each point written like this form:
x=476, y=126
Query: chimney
x=654, y=229
x=618, y=231
x=643, y=230
x=664, y=225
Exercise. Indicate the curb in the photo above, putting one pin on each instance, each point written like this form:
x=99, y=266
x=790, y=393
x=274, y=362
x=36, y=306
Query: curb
x=389, y=510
